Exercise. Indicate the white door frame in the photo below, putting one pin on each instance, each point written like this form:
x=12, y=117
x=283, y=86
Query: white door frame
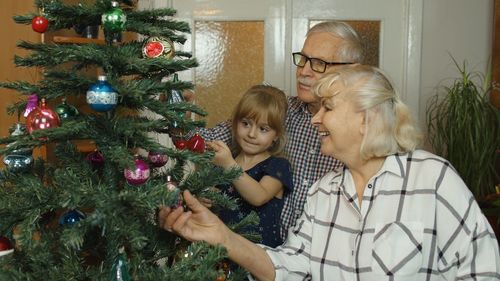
x=411, y=68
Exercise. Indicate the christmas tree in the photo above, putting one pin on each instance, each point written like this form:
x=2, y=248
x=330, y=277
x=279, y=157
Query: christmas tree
x=91, y=215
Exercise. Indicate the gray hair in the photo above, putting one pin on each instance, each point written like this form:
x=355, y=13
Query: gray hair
x=351, y=49
x=389, y=125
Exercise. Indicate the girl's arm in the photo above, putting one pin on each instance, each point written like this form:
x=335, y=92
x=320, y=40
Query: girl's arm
x=256, y=193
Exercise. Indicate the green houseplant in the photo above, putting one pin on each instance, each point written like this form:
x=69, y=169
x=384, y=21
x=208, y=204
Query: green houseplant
x=464, y=127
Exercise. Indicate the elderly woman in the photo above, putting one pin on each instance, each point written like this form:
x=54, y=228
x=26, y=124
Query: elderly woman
x=392, y=213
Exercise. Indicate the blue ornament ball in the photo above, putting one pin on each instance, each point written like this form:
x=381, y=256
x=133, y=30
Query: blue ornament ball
x=101, y=96
x=71, y=217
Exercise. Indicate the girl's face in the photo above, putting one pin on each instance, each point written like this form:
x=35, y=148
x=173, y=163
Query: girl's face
x=254, y=137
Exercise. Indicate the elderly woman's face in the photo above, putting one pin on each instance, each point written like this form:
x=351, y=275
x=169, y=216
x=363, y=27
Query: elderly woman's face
x=339, y=125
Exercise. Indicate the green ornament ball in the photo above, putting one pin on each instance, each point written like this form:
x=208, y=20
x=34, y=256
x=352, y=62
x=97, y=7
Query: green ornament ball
x=114, y=19
x=66, y=111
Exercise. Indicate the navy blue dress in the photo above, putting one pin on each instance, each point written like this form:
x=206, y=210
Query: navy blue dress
x=269, y=213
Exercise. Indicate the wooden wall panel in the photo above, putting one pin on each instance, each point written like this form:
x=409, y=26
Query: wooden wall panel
x=11, y=33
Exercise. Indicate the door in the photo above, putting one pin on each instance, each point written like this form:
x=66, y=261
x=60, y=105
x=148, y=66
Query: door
x=275, y=29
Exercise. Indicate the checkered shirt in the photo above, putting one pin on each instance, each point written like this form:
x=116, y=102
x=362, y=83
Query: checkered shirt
x=303, y=151
x=417, y=221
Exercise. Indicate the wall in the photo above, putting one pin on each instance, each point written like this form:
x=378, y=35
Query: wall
x=11, y=33
x=462, y=28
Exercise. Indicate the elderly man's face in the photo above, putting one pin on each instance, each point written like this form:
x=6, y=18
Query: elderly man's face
x=322, y=46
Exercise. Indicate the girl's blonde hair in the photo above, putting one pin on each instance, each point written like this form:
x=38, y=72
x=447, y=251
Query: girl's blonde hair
x=263, y=102
x=389, y=125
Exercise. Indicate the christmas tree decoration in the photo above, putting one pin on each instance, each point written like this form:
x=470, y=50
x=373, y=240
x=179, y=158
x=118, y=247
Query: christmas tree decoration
x=101, y=96
x=40, y=24
x=17, y=162
x=157, y=159
x=31, y=104
x=5, y=244
x=175, y=96
x=156, y=47
x=181, y=144
x=196, y=143
x=96, y=159
x=71, y=217
x=184, y=250
x=66, y=111
x=172, y=187
x=42, y=118
x=114, y=20
x=225, y=267
x=119, y=271
x=139, y=173
x=20, y=159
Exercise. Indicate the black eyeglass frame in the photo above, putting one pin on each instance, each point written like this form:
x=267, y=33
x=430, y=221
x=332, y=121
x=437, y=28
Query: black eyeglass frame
x=324, y=63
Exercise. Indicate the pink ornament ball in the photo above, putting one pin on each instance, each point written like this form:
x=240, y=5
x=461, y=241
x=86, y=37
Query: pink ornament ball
x=138, y=174
x=157, y=159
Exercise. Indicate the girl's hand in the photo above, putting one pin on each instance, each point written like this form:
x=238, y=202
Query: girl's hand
x=195, y=225
x=223, y=157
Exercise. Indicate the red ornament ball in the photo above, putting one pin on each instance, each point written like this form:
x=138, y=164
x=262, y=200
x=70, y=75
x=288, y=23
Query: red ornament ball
x=5, y=244
x=39, y=24
x=138, y=174
x=180, y=144
x=42, y=118
x=196, y=144
x=158, y=47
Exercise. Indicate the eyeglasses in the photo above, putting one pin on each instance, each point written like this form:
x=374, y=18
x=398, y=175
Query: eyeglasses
x=317, y=65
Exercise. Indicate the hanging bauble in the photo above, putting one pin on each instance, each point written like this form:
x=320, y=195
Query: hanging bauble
x=181, y=144
x=39, y=24
x=101, y=96
x=5, y=244
x=17, y=163
x=66, y=111
x=175, y=96
x=96, y=159
x=172, y=187
x=139, y=173
x=114, y=19
x=119, y=271
x=19, y=129
x=225, y=268
x=184, y=251
x=19, y=159
x=42, y=118
x=157, y=158
x=71, y=217
x=196, y=144
x=31, y=104
x=156, y=47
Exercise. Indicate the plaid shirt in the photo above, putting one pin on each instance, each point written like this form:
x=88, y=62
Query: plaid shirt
x=418, y=221
x=303, y=151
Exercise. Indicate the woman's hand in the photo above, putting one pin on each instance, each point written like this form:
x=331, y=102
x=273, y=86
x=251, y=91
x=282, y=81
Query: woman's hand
x=197, y=224
x=223, y=157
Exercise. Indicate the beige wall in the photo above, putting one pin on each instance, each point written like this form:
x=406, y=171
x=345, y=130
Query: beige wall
x=462, y=28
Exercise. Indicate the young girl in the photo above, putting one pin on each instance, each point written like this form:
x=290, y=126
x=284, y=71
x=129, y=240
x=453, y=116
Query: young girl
x=259, y=138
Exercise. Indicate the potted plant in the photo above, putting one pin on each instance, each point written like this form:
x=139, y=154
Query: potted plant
x=464, y=127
